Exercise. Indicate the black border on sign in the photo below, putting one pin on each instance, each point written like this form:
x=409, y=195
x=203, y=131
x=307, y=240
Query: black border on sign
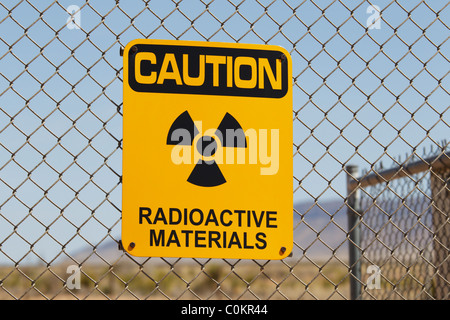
x=207, y=88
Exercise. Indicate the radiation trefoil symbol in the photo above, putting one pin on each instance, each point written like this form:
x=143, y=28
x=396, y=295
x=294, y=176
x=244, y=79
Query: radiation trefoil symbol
x=206, y=172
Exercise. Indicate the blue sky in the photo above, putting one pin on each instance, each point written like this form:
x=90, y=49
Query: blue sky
x=61, y=99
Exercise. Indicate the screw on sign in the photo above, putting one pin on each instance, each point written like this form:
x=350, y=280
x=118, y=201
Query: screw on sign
x=207, y=150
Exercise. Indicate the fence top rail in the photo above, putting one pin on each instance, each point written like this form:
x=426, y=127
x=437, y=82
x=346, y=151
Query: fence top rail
x=406, y=169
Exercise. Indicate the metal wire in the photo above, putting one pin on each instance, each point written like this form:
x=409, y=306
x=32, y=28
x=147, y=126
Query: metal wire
x=369, y=80
x=405, y=229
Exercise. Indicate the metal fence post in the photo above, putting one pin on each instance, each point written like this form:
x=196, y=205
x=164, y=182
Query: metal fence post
x=441, y=228
x=354, y=230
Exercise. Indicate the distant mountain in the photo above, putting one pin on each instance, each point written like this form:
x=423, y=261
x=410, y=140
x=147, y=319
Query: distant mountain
x=319, y=229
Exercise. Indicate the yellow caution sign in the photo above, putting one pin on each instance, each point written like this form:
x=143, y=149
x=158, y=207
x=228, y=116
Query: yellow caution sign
x=207, y=150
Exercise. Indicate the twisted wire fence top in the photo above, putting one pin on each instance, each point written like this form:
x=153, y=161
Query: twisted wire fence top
x=370, y=84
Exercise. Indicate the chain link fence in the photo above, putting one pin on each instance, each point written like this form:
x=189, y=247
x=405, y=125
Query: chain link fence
x=402, y=214
x=370, y=83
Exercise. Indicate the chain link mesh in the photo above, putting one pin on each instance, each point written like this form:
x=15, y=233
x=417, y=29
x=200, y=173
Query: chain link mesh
x=369, y=81
x=404, y=232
